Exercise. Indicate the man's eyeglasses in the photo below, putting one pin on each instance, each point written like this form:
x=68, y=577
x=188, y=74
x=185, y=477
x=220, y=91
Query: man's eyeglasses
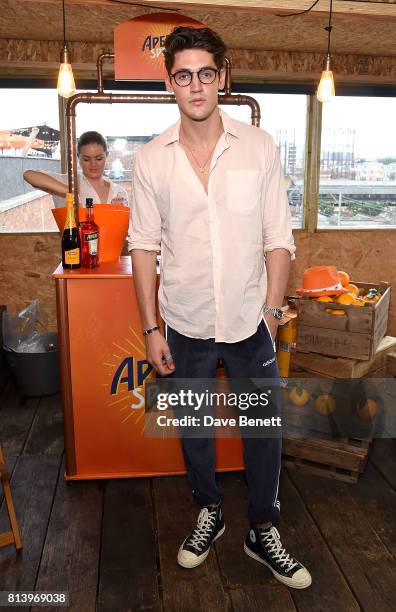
x=184, y=77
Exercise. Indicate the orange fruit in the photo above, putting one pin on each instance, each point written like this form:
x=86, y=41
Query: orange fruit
x=335, y=311
x=368, y=410
x=359, y=302
x=324, y=298
x=325, y=404
x=344, y=277
x=299, y=396
x=346, y=298
x=352, y=288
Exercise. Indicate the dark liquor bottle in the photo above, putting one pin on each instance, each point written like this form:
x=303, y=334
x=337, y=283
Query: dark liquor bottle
x=71, y=245
x=89, y=238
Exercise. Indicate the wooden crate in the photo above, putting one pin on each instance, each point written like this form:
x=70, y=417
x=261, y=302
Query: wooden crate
x=342, y=459
x=336, y=457
x=355, y=335
x=342, y=367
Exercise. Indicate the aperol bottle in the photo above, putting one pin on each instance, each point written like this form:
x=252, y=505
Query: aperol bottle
x=89, y=238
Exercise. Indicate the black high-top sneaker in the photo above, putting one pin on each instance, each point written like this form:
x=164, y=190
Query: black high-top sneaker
x=265, y=546
x=196, y=546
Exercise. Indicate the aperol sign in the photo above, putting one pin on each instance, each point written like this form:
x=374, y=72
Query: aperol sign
x=139, y=42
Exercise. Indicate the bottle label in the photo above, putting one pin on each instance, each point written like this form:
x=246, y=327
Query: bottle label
x=72, y=256
x=92, y=241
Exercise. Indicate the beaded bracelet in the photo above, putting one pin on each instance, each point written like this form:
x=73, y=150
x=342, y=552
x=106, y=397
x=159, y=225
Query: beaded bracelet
x=146, y=332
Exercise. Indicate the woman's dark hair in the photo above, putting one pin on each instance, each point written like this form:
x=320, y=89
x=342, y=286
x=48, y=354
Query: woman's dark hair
x=182, y=38
x=91, y=138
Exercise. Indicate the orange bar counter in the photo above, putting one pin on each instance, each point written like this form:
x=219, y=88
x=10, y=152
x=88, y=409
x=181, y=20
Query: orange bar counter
x=103, y=370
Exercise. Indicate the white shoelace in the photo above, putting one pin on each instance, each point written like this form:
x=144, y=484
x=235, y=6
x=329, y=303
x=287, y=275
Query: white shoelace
x=273, y=544
x=200, y=535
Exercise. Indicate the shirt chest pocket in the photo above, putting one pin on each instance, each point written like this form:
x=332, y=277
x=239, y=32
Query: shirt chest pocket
x=243, y=190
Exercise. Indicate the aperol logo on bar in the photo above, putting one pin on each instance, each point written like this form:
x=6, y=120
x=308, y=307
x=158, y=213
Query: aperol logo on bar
x=139, y=42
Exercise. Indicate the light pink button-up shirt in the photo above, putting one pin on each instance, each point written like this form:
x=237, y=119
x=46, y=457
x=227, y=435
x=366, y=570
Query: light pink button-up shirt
x=213, y=280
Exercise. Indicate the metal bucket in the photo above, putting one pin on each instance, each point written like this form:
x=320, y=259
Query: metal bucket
x=37, y=373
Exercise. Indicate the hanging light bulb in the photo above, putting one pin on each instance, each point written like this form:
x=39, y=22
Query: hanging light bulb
x=326, y=89
x=66, y=86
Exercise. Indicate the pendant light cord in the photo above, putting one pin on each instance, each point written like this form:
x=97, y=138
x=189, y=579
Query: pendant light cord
x=64, y=22
x=329, y=28
x=300, y=12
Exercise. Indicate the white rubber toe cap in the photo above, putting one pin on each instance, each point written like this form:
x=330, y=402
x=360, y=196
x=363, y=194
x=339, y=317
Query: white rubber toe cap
x=301, y=579
x=185, y=558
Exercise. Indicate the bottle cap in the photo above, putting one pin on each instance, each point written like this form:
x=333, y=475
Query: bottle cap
x=89, y=202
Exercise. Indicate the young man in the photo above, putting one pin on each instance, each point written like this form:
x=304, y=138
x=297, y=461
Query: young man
x=209, y=195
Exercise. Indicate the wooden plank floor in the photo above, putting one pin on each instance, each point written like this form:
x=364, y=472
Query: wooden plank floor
x=112, y=544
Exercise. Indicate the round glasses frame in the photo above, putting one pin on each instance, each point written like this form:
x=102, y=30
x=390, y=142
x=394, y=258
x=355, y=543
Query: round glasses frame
x=208, y=80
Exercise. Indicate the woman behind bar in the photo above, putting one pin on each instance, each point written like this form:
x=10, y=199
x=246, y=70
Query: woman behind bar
x=92, y=154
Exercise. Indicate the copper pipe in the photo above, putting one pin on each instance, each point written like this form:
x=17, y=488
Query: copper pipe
x=244, y=100
x=98, y=98
x=99, y=68
x=227, y=86
x=71, y=149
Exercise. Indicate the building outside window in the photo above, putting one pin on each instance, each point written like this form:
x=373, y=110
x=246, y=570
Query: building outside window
x=358, y=163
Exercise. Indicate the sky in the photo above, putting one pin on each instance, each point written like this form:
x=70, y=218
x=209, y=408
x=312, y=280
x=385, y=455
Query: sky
x=372, y=118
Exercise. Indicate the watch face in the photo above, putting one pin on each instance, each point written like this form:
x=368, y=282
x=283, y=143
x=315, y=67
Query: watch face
x=278, y=313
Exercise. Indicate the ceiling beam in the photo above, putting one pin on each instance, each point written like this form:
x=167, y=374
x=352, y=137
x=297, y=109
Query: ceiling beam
x=354, y=8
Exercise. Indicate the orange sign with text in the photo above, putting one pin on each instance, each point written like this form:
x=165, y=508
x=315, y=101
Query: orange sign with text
x=139, y=42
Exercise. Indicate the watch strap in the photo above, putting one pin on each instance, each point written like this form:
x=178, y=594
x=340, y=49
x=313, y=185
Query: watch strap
x=275, y=312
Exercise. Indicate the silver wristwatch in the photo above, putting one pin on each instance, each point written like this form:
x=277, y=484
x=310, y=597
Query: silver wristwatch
x=276, y=312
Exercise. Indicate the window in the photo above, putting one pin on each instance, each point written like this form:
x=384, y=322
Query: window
x=358, y=164
x=284, y=117
x=29, y=139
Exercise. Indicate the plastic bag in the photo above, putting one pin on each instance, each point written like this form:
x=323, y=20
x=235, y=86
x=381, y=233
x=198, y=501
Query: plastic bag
x=20, y=330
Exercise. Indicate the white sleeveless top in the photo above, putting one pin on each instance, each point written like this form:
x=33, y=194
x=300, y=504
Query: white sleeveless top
x=117, y=194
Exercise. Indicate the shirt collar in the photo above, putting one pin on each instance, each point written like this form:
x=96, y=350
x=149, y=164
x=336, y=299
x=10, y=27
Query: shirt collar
x=229, y=127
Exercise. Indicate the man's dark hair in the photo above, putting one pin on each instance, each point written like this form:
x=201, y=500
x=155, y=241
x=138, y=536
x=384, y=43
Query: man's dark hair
x=182, y=38
x=91, y=138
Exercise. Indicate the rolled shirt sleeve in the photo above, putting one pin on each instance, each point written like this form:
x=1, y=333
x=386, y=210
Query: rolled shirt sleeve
x=145, y=220
x=277, y=223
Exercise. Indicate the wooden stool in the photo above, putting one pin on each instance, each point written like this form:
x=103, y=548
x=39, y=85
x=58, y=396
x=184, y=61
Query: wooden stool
x=13, y=536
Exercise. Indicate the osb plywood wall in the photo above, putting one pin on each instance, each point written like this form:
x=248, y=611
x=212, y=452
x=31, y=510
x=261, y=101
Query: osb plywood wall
x=27, y=263
x=260, y=42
